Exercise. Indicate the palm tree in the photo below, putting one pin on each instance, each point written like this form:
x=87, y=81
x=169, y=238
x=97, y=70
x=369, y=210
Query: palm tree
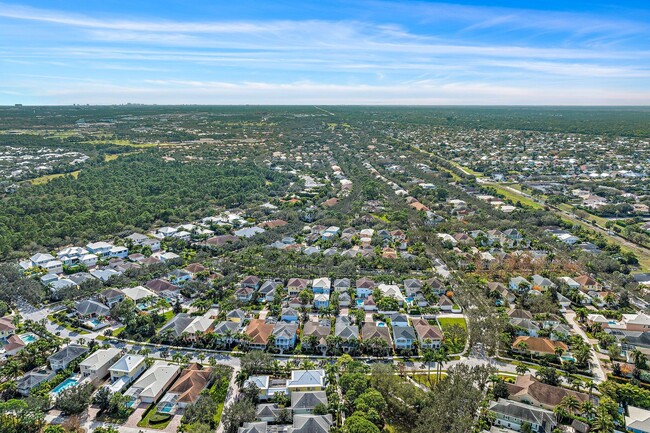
x=522, y=369
x=441, y=359
x=559, y=351
x=590, y=385
x=581, y=314
x=522, y=346
x=240, y=378
x=200, y=357
x=587, y=409
x=428, y=357
x=640, y=359
x=603, y=422
x=570, y=403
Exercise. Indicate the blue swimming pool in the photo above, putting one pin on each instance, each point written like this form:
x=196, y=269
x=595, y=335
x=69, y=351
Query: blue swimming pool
x=28, y=338
x=166, y=407
x=68, y=383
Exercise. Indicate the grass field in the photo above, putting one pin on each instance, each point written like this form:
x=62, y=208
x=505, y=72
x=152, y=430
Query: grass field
x=446, y=322
x=513, y=196
x=122, y=143
x=45, y=179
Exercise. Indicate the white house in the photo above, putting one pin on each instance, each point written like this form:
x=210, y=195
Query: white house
x=154, y=382
x=97, y=364
x=127, y=369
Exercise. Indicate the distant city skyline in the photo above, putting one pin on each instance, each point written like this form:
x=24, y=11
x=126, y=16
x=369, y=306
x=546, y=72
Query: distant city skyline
x=326, y=52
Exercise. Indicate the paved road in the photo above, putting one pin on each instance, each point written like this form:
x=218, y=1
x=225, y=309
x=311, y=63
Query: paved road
x=599, y=373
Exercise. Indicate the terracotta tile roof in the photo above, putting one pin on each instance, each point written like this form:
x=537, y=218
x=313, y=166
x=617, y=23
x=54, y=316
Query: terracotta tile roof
x=191, y=382
x=426, y=331
x=546, y=395
x=258, y=330
x=541, y=345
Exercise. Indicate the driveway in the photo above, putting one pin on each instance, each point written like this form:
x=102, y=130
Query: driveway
x=599, y=373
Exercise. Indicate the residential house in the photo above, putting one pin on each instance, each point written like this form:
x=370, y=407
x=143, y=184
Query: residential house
x=179, y=276
x=161, y=287
x=32, y=379
x=637, y=420
x=321, y=301
x=345, y=300
x=537, y=346
x=364, y=287
x=342, y=284
x=519, y=284
x=225, y=332
x=304, y=402
x=404, y=337
x=371, y=330
x=251, y=282
x=127, y=369
x=398, y=319
x=104, y=274
x=412, y=287
x=267, y=412
x=100, y=249
x=587, y=283
x=97, y=364
x=7, y=327
x=237, y=315
x=392, y=291
x=296, y=285
x=175, y=327
x=445, y=304
x=137, y=238
x=306, y=380
x=90, y=308
x=570, y=282
x=138, y=293
x=525, y=327
x=319, y=330
x=542, y=282
x=528, y=390
x=303, y=423
x=512, y=415
x=259, y=331
x=321, y=285
x=429, y=336
x=153, y=382
x=285, y=335
x=268, y=289
x=112, y=296
x=12, y=345
x=61, y=359
x=244, y=294
x=347, y=332
x=290, y=315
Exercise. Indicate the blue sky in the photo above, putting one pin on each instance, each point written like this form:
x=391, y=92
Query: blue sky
x=325, y=52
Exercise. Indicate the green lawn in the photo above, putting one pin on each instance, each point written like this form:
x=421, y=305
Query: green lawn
x=66, y=325
x=513, y=196
x=152, y=419
x=426, y=379
x=448, y=321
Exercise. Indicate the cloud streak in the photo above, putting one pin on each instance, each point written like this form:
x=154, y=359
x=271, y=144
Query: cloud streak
x=417, y=53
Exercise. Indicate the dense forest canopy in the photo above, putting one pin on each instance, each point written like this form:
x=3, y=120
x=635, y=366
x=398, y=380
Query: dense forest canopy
x=134, y=191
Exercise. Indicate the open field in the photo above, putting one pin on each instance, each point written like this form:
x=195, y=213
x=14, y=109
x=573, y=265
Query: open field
x=45, y=179
x=446, y=322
